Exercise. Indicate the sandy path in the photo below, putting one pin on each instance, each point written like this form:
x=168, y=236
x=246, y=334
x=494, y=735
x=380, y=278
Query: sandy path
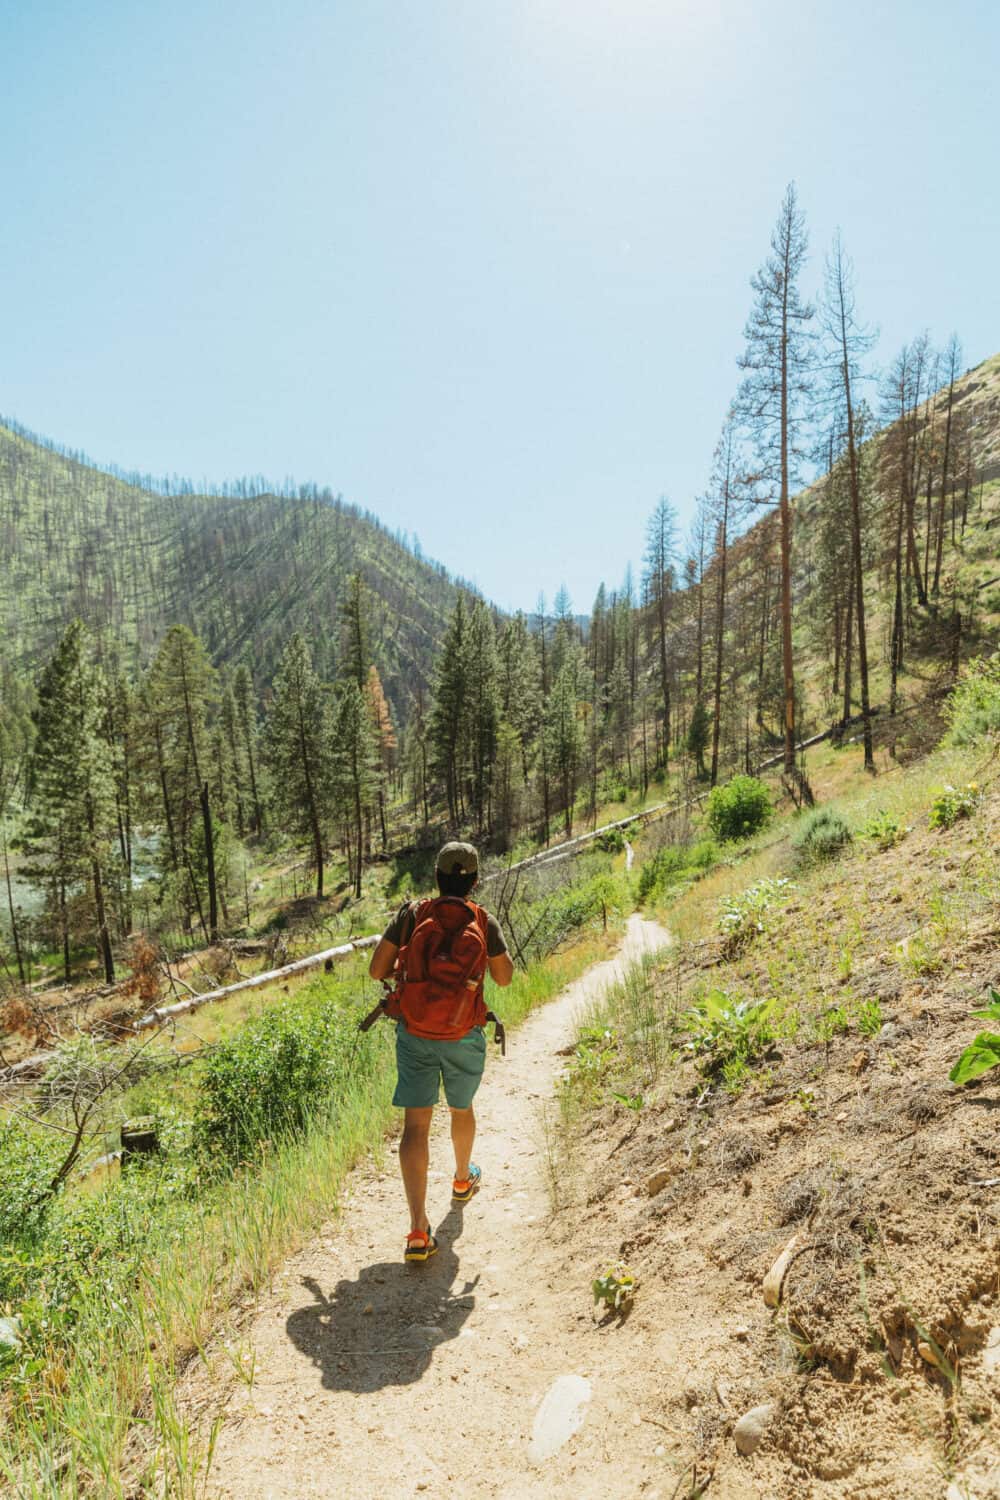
x=376, y=1379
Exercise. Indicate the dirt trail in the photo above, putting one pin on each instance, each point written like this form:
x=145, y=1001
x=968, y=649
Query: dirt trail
x=376, y=1379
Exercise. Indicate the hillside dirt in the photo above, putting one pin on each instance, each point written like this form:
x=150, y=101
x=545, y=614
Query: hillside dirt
x=373, y=1378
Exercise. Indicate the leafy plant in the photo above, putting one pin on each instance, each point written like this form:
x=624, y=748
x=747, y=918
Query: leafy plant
x=973, y=707
x=884, y=829
x=613, y=840
x=616, y=1288
x=729, y=1034
x=744, y=916
x=595, y=1049
x=741, y=807
x=823, y=835
x=983, y=1053
x=953, y=803
x=27, y=1165
x=833, y=1022
x=630, y=1101
x=272, y=1076
x=870, y=1017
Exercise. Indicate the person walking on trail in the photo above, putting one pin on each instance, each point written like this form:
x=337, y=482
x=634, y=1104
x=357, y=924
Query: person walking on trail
x=439, y=952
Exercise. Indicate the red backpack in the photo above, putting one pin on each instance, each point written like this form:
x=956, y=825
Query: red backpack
x=440, y=970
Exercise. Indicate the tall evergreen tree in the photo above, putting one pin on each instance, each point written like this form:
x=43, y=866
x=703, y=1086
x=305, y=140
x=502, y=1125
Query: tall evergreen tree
x=355, y=765
x=847, y=342
x=778, y=361
x=564, y=736
x=180, y=692
x=356, y=628
x=448, y=718
x=661, y=554
x=481, y=710
x=299, y=740
x=71, y=790
x=245, y=705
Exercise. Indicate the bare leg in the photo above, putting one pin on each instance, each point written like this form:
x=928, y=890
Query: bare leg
x=463, y=1133
x=414, y=1155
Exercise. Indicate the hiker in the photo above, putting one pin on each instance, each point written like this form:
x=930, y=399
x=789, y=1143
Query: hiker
x=439, y=951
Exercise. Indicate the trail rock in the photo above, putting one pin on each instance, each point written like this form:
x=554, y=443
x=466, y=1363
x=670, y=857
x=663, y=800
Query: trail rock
x=560, y=1415
x=991, y=1353
x=776, y=1275
x=658, y=1180
x=423, y=1335
x=751, y=1427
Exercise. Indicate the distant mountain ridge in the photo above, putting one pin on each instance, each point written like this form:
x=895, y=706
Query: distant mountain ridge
x=244, y=568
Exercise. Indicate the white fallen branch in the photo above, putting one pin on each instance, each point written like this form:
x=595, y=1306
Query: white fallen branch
x=167, y=1012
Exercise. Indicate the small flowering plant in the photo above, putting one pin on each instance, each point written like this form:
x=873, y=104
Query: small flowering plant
x=743, y=917
x=953, y=803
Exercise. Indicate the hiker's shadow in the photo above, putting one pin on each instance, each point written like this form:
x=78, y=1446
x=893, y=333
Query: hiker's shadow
x=382, y=1328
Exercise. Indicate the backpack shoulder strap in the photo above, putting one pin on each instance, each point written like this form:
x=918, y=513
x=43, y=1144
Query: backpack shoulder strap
x=415, y=911
x=482, y=918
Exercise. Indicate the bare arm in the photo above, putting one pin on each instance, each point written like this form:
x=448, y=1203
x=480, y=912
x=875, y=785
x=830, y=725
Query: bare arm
x=501, y=969
x=384, y=960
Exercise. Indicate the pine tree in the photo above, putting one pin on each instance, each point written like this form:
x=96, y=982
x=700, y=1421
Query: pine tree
x=847, y=342
x=15, y=747
x=778, y=363
x=356, y=629
x=481, y=710
x=661, y=553
x=299, y=741
x=448, y=719
x=249, y=733
x=386, y=743
x=180, y=692
x=564, y=737
x=71, y=790
x=697, y=736
x=355, y=765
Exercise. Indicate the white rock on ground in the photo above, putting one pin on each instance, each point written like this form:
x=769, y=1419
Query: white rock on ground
x=751, y=1427
x=561, y=1413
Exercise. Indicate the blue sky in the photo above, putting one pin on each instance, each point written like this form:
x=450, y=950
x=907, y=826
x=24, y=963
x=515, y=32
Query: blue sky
x=481, y=267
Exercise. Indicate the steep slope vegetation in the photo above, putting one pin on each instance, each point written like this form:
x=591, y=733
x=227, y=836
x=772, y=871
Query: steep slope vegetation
x=243, y=570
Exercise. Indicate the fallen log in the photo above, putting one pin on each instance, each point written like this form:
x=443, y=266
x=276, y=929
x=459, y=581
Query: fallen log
x=164, y=1013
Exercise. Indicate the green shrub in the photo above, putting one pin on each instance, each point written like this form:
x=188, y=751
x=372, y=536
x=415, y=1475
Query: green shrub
x=973, y=707
x=612, y=841
x=823, y=835
x=673, y=863
x=952, y=803
x=740, y=808
x=28, y=1164
x=273, y=1076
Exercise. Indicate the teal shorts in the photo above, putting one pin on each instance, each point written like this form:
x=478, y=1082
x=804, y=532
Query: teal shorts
x=422, y=1064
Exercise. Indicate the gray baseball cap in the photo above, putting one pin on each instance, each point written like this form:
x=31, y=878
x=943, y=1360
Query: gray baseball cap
x=458, y=859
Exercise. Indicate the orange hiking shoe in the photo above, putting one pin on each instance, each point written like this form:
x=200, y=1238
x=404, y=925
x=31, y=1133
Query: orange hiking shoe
x=461, y=1192
x=420, y=1245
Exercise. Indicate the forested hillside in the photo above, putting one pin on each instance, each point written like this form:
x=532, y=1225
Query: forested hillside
x=243, y=569
x=216, y=678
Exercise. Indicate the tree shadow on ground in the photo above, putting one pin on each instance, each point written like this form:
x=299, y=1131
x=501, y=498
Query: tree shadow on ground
x=382, y=1328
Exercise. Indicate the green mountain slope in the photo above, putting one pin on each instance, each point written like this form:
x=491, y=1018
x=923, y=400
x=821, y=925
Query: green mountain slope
x=243, y=570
